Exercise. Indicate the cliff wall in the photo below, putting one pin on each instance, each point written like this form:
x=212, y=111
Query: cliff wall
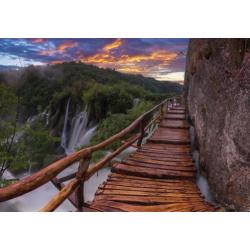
x=217, y=92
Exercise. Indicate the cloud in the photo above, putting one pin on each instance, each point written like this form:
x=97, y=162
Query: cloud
x=154, y=57
x=37, y=40
x=114, y=45
x=141, y=62
x=61, y=48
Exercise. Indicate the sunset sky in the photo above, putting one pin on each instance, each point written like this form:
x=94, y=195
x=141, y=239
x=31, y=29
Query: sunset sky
x=163, y=59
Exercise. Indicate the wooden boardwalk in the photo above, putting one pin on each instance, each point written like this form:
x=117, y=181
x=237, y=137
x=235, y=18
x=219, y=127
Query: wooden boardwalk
x=159, y=176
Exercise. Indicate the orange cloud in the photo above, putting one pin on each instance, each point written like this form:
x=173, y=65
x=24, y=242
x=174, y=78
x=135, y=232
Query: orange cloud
x=59, y=49
x=66, y=45
x=117, y=43
x=37, y=40
x=135, y=64
x=155, y=61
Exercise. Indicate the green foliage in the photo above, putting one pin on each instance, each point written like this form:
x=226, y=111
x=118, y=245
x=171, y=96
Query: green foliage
x=34, y=142
x=34, y=147
x=104, y=99
x=109, y=94
x=39, y=86
x=4, y=183
x=36, y=90
x=98, y=155
x=8, y=125
x=8, y=101
x=114, y=123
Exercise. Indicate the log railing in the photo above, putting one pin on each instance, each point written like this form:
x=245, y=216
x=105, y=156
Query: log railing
x=83, y=156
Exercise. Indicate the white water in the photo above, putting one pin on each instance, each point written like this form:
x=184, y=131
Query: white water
x=136, y=101
x=79, y=135
x=64, y=132
x=35, y=200
x=8, y=175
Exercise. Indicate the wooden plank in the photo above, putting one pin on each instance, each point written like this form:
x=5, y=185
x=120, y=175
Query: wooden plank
x=152, y=208
x=150, y=183
x=178, y=165
x=148, y=199
x=167, y=155
x=140, y=155
x=175, y=148
x=162, y=152
x=179, y=124
x=166, y=148
x=174, y=116
x=151, y=172
x=152, y=168
x=47, y=173
x=153, y=180
x=159, y=166
x=146, y=184
x=168, y=141
x=120, y=186
x=159, y=176
x=139, y=192
x=176, y=112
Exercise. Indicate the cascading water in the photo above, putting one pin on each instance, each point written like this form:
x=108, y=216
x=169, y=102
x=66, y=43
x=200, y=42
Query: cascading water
x=79, y=128
x=71, y=140
x=64, y=131
x=79, y=134
x=136, y=101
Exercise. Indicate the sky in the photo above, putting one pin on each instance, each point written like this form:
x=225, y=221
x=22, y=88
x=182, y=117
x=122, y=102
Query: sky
x=160, y=58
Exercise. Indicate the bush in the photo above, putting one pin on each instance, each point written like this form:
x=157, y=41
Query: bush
x=104, y=99
x=114, y=123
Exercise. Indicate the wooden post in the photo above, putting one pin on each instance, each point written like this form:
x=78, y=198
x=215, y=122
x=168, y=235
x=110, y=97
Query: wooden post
x=80, y=175
x=161, y=111
x=142, y=133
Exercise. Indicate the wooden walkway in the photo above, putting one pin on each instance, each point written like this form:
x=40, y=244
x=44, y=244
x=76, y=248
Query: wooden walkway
x=159, y=176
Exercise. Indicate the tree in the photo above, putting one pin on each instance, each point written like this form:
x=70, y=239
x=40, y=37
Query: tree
x=21, y=147
x=37, y=144
x=8, y=125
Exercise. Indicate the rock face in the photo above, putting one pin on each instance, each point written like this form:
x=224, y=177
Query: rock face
x=217, y=92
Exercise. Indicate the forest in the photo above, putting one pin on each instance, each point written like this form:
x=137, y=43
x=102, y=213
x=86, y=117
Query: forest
x=34, y=102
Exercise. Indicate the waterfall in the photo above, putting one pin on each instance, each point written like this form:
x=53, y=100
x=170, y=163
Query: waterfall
x=79, y=134
x=47, y=118
x=78, y=130
x=85, y=140
x=136, y=101
x=8, y=175
x=64, y=132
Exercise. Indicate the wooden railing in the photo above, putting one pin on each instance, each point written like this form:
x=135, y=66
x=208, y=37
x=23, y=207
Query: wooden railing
x=84, y=172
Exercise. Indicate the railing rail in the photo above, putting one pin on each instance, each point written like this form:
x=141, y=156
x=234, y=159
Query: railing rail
x=84, y=172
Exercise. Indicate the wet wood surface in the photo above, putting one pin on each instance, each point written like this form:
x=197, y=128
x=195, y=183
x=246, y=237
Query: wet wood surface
x=160, y=176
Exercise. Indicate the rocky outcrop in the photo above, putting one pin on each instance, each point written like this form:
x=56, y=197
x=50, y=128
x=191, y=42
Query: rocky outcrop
x=217, y=92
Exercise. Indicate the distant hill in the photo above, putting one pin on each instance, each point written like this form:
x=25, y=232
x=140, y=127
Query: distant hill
x=70, y=72
x=38, y=86
x=104, y=76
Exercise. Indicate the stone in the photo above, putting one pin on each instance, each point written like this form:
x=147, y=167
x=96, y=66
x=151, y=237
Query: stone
x=217, y=94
